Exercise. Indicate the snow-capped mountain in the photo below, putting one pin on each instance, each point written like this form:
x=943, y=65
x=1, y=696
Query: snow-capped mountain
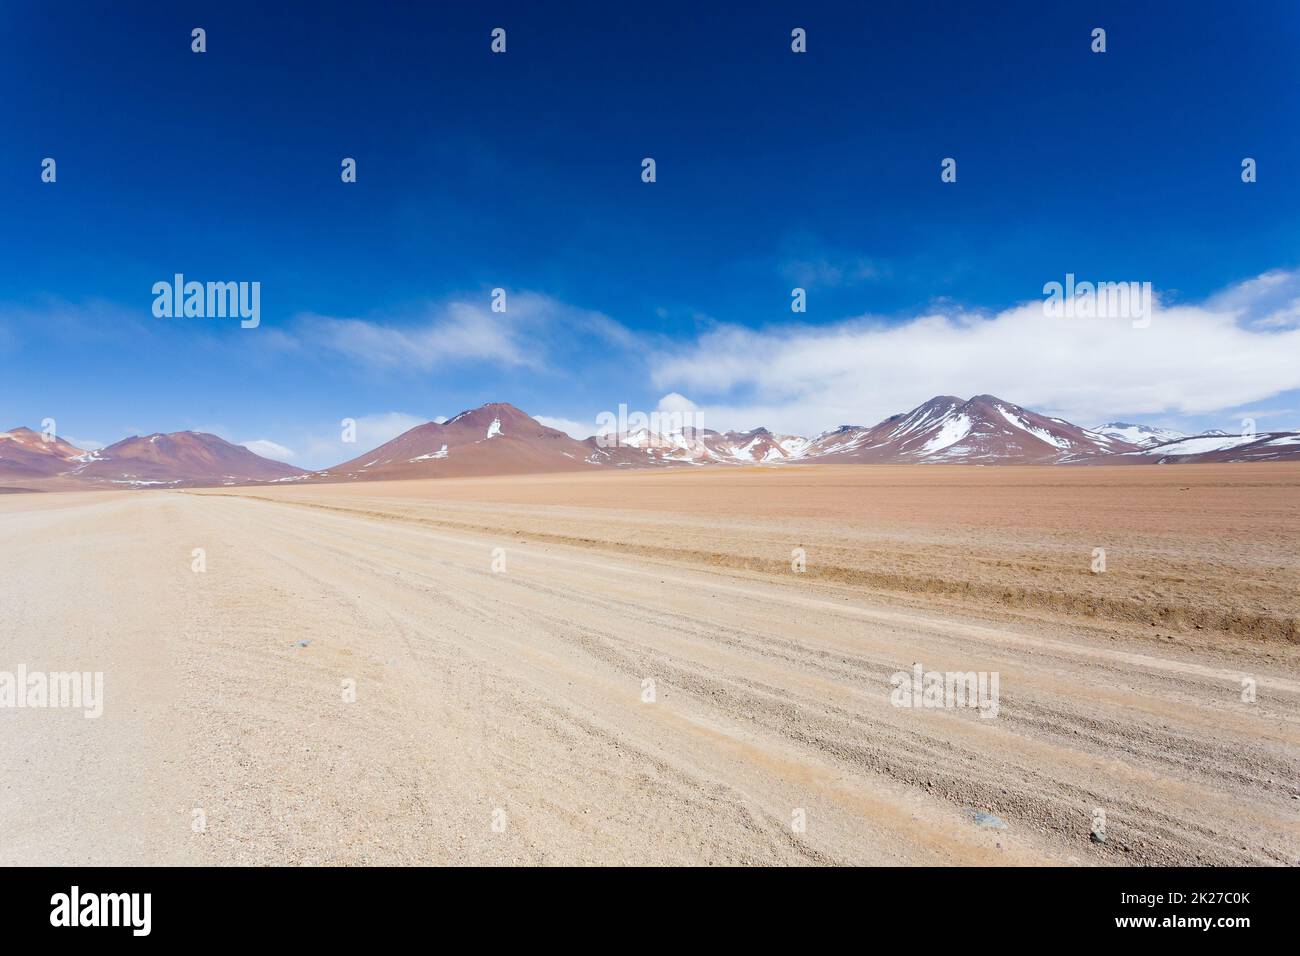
x=176, y=459
x=983, y=430
x=27, y=454
x=499, y=439
x=758, y=446
x=1142, y=435
x=158, y=460
x=493, y=439
x=642, y=447
x=1218, y=446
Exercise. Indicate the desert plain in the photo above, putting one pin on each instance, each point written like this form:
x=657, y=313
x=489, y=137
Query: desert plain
x=630, y=669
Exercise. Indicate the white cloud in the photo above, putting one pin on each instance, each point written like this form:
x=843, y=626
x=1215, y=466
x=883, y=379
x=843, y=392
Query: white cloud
x=1192, y=359
x=457, y=332
x=377, y=429
x=824, y=272
x=270, y=449
x=810, y=262
x=461, y=330
x=578, y=430
x=673, y=402
x=326, y=448
x=85, y=444
x=1268, y=301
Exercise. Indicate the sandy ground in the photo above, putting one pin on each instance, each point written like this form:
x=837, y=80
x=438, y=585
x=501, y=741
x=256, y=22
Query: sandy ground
x=501, y=715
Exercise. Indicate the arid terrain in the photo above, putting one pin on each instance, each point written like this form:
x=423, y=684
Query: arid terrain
x=501, y=635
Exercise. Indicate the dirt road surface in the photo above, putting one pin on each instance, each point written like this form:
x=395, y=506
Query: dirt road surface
x=546, y=671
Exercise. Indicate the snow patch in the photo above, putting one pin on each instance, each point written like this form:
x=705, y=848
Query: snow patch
x=1040, y=433
x=1138, y=434
x=440, y=453
x=1199, y=445
x=953, y=431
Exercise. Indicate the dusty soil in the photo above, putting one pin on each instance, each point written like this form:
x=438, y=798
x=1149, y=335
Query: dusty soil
x=500, y=715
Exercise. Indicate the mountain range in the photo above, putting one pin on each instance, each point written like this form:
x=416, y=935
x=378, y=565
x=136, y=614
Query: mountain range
x=159, y=460
x=499, y=439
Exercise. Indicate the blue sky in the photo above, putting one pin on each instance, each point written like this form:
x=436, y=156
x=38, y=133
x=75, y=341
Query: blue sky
x=522, y=171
